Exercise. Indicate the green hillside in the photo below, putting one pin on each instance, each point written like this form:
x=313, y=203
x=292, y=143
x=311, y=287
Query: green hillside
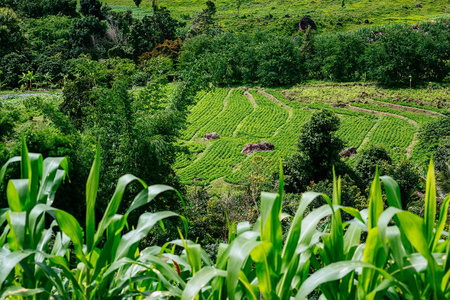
x=368, y=115
x=284, y=15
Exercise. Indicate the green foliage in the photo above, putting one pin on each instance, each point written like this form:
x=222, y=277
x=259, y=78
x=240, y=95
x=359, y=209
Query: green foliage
x=379, y=253
x=318, y=150
x=87, y=35
x=11, y=33
x=203, y=22
x=91, y=8
x=42, y=8
x=264, y=120
x=244, y=58
x=393, y=132
x=206, y=110
x=152, y=30
x=392, y=58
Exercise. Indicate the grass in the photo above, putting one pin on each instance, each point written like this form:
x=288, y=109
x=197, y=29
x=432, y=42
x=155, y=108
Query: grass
x=283, y=15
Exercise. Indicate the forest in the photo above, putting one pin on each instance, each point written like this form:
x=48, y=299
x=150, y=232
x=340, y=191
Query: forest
x=224, y=149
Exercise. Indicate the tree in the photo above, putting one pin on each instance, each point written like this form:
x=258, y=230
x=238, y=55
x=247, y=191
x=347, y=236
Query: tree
x=11, y=34
x=318, y=151
x=137, y=2
x=238, y=5
x=91, y=8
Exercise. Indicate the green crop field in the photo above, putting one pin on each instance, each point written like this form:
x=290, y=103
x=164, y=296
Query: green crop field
x=381, y=117
x=283, y=16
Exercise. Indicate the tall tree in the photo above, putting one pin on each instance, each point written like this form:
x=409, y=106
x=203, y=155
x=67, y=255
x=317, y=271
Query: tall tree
x=318, y=151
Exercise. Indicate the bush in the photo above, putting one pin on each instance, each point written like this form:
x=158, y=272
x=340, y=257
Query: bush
x=244, y=58
x=400, y=53
x=11, y=34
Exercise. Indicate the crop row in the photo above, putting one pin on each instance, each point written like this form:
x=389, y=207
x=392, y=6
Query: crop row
x=353, y=130
x=205, y=110
x=217, y=161
x=340, y=110
x=238, y=107
x=282, y=98
x=264, y=120
x=285, y=142
x=393, y=132
x=412, y=104
x=186, y=157
x=421, y=119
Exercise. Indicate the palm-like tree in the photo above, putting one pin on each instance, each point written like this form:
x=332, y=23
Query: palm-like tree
x=29, y=78
x=48, y=78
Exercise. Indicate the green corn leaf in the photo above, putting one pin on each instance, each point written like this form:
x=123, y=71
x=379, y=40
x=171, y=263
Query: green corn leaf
x=199, y=280
x=52, y=178
x=375, y=201
x=261, y=255
x=333, y=272
x=17, y=239
x=114, y=204
x=352, y=238
x=5, y=166
x=60, y=262
x=25, y=164
x=442, y=221
x=392, y=192
x=91, y=196
x=70, y=226
x=17, y=194
x=251, y=289
x=146, y=221
x=147, y=195
x=430, y=202
x=10, y=261
x=238, y=255
x=18, y=291
x=55, y=279
x=36, y=163
x=295, y=229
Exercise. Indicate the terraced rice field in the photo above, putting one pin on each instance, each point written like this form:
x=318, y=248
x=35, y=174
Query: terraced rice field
x=241, y=117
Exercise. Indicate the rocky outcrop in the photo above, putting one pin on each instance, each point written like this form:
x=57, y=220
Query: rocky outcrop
x=349, y=152
x=211, y=136
x=250, y=147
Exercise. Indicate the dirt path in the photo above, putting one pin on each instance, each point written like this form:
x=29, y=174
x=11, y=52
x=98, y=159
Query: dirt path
x=281, y=104
x=407, y=108
x=376, y=112
x=271, y=97
x=414, y=123
x=250, y=97
x=368, y=135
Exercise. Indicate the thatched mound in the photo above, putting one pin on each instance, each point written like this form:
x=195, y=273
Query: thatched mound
x=250, y=147
x=211, y=136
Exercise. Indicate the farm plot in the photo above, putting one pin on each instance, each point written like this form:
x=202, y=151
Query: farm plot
x=284, y=100
x=285, y=142
x=206, y=110
x=354, y=129
x=238, y=107
x=217, y=161
x=264, y=120
x=393, y=132
x=421, y=119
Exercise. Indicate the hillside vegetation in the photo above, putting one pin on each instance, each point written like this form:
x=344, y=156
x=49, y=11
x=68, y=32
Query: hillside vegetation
x=283, y=16
x=368, y=116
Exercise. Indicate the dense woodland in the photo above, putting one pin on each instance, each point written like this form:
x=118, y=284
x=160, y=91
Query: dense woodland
x=89, y=93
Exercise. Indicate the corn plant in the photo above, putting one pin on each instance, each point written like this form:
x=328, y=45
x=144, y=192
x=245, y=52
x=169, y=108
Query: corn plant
x=403, y=256
x=30, y=267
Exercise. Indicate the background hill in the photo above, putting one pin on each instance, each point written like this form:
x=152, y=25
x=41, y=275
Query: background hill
x=283, y=16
